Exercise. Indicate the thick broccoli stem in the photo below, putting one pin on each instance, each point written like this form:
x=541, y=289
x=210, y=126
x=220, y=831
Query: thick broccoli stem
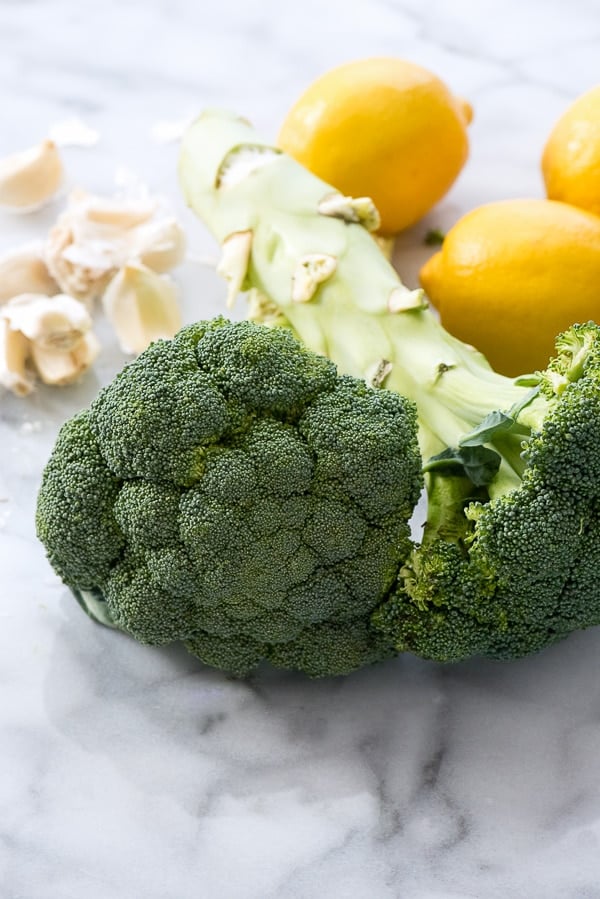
x=324, y=276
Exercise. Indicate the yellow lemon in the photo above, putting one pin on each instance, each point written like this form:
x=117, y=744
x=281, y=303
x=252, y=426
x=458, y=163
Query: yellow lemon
x=571, y=158
x=383, y=128
x=512, y=275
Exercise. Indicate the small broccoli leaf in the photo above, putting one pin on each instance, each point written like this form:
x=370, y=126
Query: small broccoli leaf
x=530, y=380
x=478, y=463
x=493, y=424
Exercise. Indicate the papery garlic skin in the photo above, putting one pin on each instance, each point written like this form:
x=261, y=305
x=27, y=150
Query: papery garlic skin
x=32, y=177
x=142, y=306
x=59, y=367
x=14, y=354
x=23, y=270
x=159, y=245
x=57, y=322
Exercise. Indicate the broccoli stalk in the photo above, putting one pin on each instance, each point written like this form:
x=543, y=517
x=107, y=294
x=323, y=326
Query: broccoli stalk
x=356, y=310
x=508, y=555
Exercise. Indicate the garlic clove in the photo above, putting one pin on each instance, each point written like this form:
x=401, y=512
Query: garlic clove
x=32, y=177
x=57, y=322
x=14, y=353
x=87, y=350
x=142, y=306
x=23, y=270
x=159, y=245
x=61, y=367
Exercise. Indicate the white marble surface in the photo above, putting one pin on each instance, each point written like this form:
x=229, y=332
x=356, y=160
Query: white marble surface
x=131, y=772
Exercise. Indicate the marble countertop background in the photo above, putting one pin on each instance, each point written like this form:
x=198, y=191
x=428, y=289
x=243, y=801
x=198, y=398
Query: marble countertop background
x=130, y=772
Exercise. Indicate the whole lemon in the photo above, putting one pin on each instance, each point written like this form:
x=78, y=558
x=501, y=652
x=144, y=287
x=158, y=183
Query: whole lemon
x=512, y=275
x=383, y=128
x=571, y=158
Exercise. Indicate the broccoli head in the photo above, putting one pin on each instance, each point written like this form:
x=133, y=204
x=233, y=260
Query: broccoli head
x=504, y=572
x=231, y=491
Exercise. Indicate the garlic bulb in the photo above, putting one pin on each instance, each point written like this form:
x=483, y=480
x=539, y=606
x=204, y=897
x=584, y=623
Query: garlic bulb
x=96, y=236
x=50, y=336
x=32, y=177
x=89, y=243
x=141, y=306
x=23, y=270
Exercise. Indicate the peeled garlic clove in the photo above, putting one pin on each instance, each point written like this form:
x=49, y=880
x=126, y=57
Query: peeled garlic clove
x=61, y=367
x=159, y=245
x=14, y=352
x=142, y=307
x=57, y=322
x=31, y=177
x=24, y=270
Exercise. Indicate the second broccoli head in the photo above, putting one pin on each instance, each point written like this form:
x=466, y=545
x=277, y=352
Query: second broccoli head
x=230, y=490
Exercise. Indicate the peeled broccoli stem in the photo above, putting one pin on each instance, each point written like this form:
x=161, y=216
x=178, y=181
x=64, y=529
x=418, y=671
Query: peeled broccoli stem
x=311, y=265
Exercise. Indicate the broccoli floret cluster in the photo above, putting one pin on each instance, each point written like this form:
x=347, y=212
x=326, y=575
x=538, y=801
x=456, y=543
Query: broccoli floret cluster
x=230, y=490
x=522, y=574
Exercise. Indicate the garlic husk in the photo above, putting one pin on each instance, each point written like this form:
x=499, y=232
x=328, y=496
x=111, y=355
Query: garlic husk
x=32, y=177
x=159, y=245
x=141, y=306
x=23, y=270
x=14, y=353
x=57, y=322
x=61, y=367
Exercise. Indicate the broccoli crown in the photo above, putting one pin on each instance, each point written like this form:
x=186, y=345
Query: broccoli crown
x=525, y=574
x=230, y=490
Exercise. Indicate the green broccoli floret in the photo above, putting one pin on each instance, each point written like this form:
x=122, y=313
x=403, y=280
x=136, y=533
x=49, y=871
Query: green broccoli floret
x=230, y=490
x=509, y=552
